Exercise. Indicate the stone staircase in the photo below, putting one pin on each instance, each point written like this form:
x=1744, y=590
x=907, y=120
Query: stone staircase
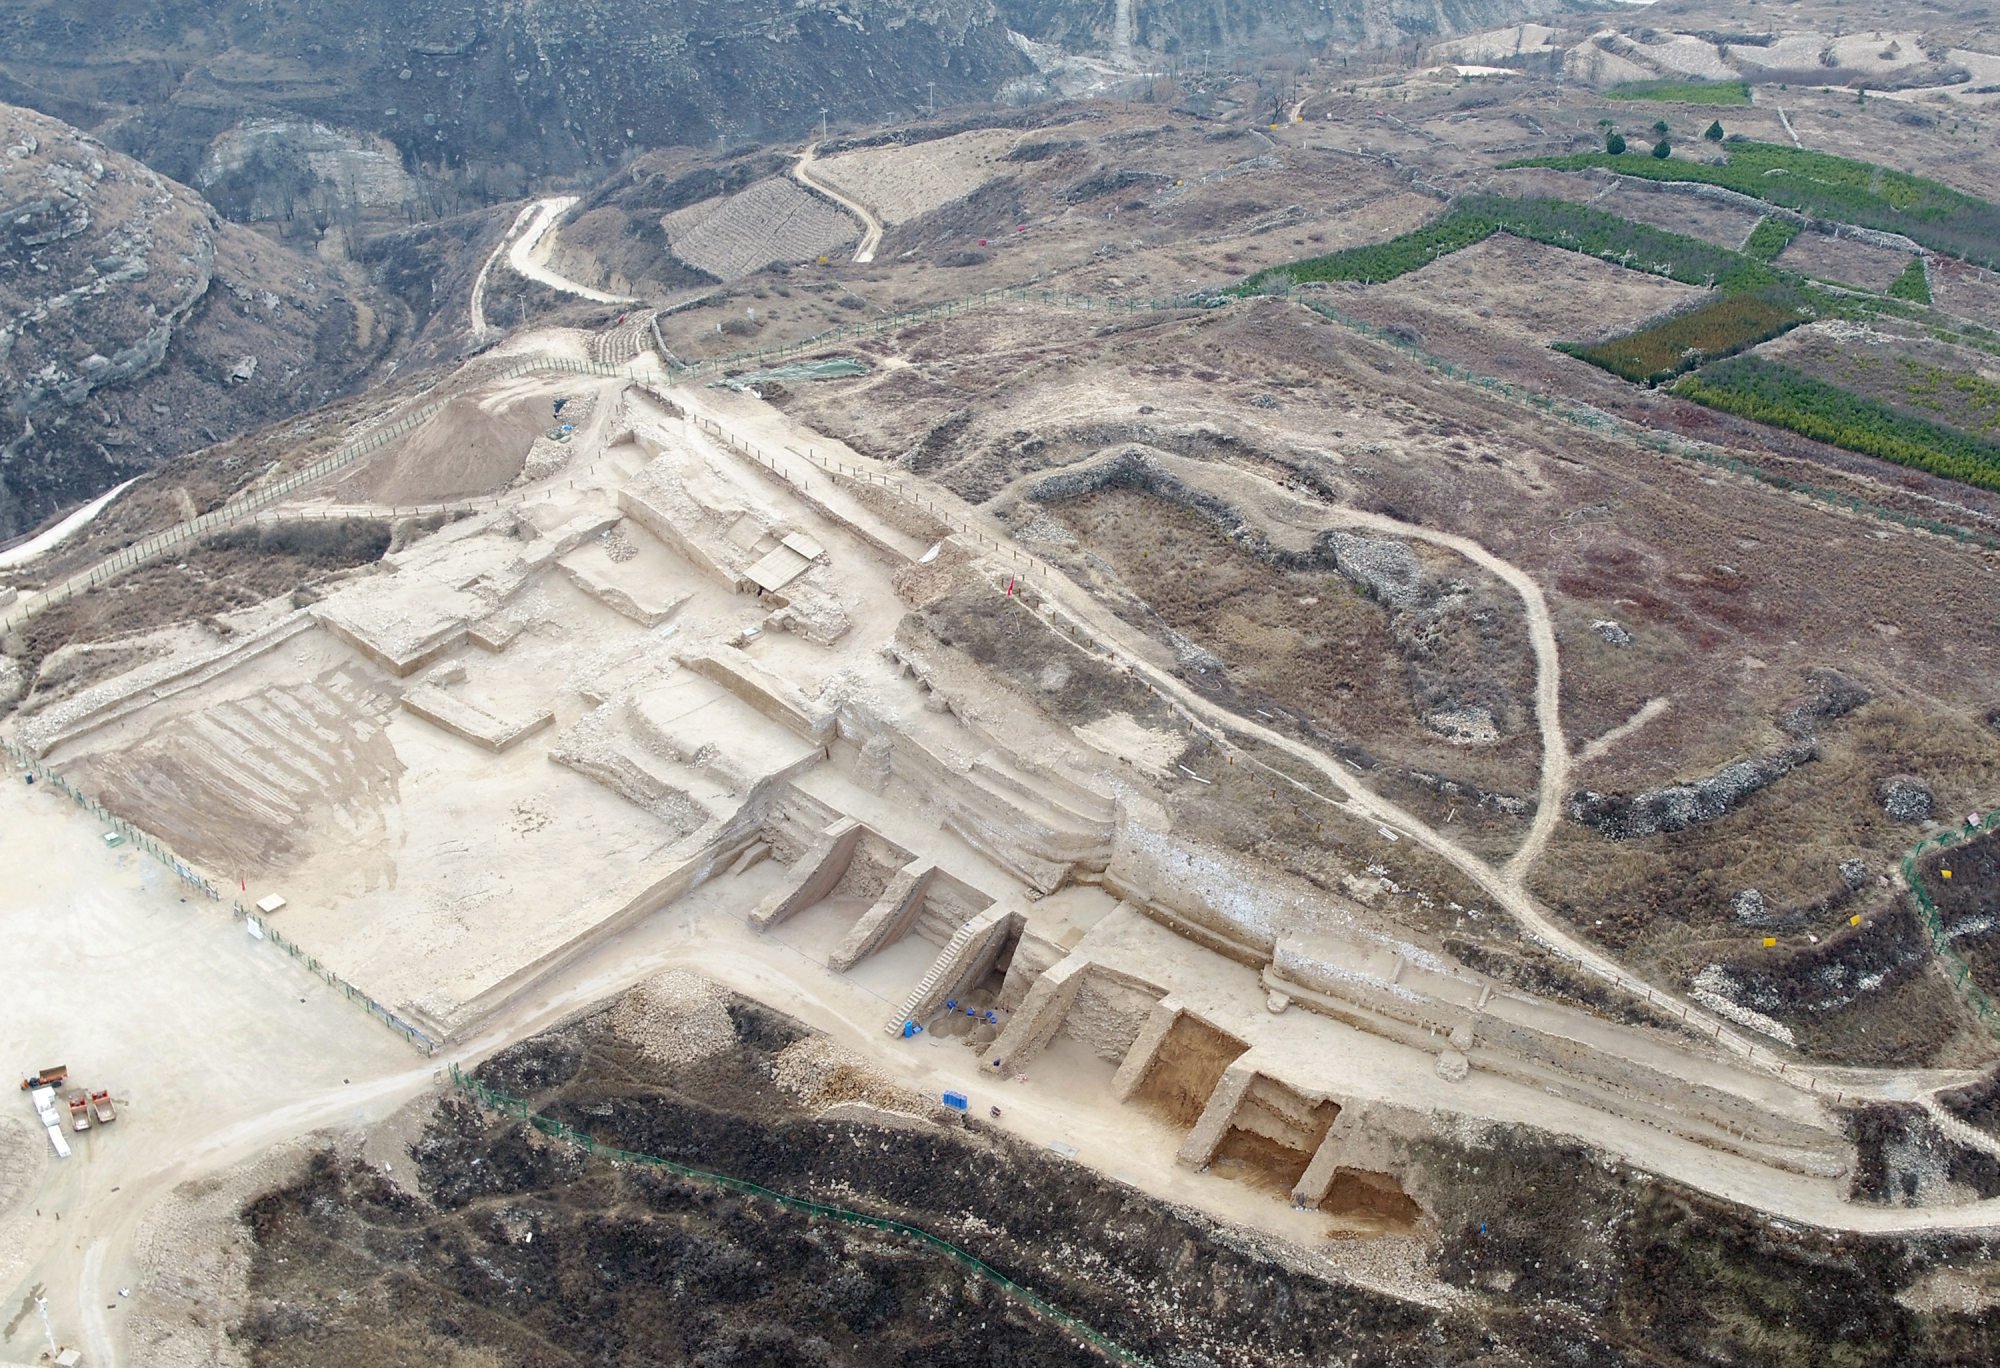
x=937, y=928
x=960, y=953
x=927, y=985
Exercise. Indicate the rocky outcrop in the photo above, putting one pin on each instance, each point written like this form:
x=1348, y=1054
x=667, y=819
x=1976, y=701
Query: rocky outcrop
x=128, y=309
x=1623, y=817
x=1830, y=696
x=264, y=168
x=1187, y=27
x=1388, y=570
x=479, y=96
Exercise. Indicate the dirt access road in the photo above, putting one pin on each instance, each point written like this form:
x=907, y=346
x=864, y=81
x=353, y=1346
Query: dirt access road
x=236, y=1049
x=219, y=1048
x=871, y=226
x=527, y=244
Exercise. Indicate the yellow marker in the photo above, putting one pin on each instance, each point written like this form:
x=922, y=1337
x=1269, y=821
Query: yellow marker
x=1770, y=941
x=1854, y=920
x=1947, y=873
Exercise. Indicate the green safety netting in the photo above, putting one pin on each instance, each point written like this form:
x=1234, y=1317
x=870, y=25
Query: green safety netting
x=508, y=1105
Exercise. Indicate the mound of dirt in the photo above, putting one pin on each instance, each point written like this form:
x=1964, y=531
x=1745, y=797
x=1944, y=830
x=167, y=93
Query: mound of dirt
x=469, y=447
x=674, y=1018
x=1680, y=806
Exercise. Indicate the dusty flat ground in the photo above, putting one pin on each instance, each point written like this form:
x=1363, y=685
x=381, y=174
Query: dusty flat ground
x=200, y=1033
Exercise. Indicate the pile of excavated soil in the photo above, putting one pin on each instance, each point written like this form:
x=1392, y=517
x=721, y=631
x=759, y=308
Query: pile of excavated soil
x=821, y=1074
x=675, y=1018
x=194, y=1254
x=463, y=450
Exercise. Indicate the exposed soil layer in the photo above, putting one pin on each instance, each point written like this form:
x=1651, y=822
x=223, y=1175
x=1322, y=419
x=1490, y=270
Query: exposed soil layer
x=522, y=1250
x=1189, y=1064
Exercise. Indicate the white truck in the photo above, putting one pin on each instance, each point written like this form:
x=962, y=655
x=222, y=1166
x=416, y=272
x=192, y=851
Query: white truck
x=45, y=1109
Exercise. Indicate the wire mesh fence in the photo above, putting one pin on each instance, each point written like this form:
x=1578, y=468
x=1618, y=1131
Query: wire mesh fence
x=126, y=832
x=1956, y=969
x=506, y=1104
x=195, y=879
x=233, y=511
x=416, y=1036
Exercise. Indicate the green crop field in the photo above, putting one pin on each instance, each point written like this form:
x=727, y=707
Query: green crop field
x=1771, y=236
x=1912, y=284
x=1683, y=92
x=1557, y=223
x=1828, y=187
x=1770, y=393
x=1718, y=328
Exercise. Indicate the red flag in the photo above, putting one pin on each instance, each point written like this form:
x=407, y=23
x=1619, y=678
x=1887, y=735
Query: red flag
x=1010, y=588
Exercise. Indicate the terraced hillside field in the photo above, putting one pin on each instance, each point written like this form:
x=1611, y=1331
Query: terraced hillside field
x=900, y=183
x=771, y=221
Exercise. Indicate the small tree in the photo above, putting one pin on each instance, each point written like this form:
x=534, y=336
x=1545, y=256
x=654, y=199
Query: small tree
x=1659, y=128
x=1614, y=143
x=1714, y=133
x=1662, y=150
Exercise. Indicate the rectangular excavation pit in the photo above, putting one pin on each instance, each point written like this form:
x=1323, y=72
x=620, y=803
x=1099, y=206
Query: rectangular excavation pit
x=970, y=972
x=1273, y=1136
x=920, y=901
x=1108, y=1013
x=631, y=573
x=1368, y=1202
x=1186, y=1070
x=842, y=874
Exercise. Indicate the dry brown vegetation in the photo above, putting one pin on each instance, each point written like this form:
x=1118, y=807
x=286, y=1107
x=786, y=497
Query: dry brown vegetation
x=1730, y=591
x=236, y=569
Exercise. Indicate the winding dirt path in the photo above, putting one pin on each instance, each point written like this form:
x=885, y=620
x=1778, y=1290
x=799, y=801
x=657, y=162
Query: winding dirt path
x=476, y=306
x=531, y=249
x=1652, y=708
x=770, y=428
x=871, y=226
x=527, y=245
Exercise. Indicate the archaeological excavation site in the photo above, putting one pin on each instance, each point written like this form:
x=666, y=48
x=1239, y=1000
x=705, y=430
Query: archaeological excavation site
x=1267, y=710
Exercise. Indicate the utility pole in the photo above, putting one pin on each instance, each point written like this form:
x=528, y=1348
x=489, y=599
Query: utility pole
x=933, y=86
x=822, y=125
